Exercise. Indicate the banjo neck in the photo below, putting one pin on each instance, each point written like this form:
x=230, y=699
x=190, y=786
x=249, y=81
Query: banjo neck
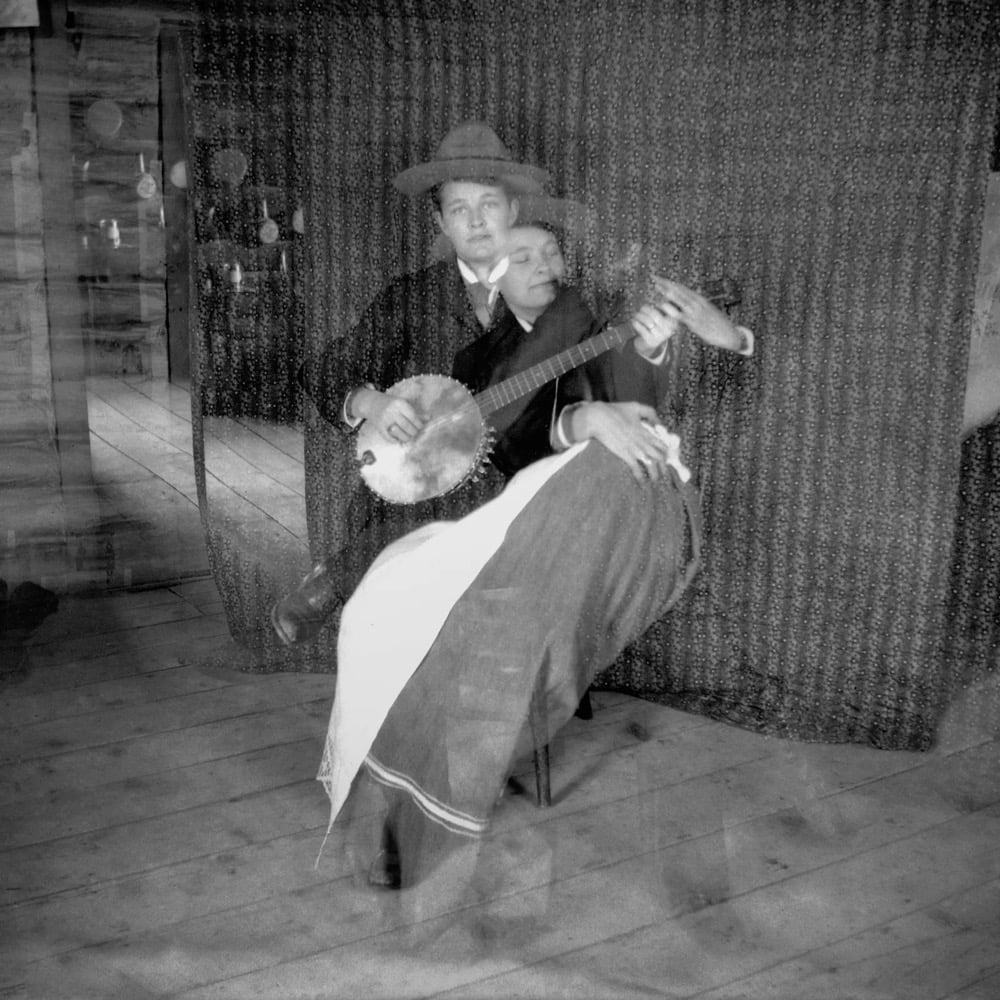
x=510, y=389
x=723, y=292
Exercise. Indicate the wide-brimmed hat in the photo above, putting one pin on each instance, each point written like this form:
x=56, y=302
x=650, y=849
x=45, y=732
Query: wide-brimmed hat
x=574, y=218
x=471, y=151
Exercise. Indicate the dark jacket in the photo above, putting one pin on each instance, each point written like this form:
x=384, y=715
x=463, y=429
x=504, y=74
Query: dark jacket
x=505, y=349
x=414, y=326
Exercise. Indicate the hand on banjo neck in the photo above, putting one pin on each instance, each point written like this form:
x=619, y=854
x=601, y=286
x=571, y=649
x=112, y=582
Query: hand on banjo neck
x=442, y=438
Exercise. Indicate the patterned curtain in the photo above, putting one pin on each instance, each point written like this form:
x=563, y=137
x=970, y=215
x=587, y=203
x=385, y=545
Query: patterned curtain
x=831, y=158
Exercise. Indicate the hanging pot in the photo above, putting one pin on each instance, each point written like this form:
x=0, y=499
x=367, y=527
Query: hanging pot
x=145, y=187
x=267, y=232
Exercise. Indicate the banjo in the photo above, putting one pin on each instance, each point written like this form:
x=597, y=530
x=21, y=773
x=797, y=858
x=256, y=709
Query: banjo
x=456, y=439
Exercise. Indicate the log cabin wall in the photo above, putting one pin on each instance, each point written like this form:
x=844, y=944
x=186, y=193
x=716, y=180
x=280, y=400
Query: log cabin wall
x=47, y=505
x=82, y=277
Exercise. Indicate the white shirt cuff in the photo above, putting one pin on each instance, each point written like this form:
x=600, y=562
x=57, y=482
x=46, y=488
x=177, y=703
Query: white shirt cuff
x=560, y=429
x=657, y=358
x=345, y=412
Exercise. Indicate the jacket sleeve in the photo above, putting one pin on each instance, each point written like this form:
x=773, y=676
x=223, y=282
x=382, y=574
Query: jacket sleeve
x=413, y=326
x=373, y=352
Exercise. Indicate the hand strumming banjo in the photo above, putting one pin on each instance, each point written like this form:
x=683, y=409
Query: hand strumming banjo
x=456, y=440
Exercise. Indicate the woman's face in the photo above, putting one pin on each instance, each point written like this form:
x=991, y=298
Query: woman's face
x=534, y=270
x=476, y=218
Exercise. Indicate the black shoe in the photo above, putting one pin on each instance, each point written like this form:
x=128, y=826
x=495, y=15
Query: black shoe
x=384, y=872
x=299, y=617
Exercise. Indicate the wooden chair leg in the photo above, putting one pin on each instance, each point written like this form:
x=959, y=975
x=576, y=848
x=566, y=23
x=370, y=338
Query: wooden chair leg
x=540, y=740
x=543, y=789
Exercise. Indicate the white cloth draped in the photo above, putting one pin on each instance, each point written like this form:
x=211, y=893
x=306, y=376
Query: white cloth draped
x=397, y=611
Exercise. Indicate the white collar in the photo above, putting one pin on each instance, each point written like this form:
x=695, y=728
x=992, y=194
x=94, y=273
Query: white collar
x=471, y=278
x=467, y=273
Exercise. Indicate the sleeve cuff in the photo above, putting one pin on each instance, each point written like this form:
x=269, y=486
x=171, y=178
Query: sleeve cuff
x=746, y=342
x=560, y=429
x=657, y=358
x=345, y=409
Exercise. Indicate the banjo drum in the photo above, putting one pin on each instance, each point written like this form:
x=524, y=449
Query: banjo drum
x=451, y=448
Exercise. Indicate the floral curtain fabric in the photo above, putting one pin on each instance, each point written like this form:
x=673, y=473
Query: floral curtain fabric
x=832, y=160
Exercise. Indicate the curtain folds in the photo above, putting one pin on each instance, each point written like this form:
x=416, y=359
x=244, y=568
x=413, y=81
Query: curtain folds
x=832, y=160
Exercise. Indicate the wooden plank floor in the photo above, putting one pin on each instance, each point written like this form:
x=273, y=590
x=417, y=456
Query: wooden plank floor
x=143, y=460
x=162, y=822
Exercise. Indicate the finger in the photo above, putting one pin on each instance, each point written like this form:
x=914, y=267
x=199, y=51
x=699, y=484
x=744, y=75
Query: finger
x=650, y=467
x=398, y=407
x=669, y=309
x=653, y=458
x=665, y=327
x=649, y=441
x=650, y=313
x=407, y=416
x=653, y=328
x=665, y=287
x=662, y=464
x=407, y=428
x=406, y=419
x=643, y=327
x=396, y=432
x=671, y=289
x=628, y=452
x=673, y=298
x=653, y=315
x=656, y=449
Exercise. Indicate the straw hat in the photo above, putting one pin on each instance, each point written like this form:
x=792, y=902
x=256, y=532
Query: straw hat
x=469, y=152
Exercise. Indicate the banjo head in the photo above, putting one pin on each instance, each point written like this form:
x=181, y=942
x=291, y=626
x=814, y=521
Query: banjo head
x=446, y=452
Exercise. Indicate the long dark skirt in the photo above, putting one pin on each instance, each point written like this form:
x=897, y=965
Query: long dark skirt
x=590, y=563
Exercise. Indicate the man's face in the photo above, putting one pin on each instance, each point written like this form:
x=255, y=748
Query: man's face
x=534, y=270
x=475, y=217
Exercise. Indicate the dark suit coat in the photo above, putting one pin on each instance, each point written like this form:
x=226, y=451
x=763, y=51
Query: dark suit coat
x=414, y=326
x=523, y=427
